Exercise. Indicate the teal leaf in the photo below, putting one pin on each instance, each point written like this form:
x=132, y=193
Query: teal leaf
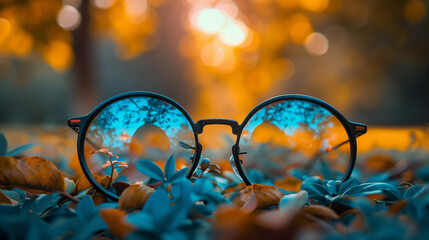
x=142, y=220
x=20, y=149
x=414, y=191
x=203, y=185
x=12, y=195
x=158, y=204
x=181, y=190
x=150, y=169
x=178, y=175
x=423, y=173
x=84, y=208
x=44, y=202
x=170, y=167
x=3, y=145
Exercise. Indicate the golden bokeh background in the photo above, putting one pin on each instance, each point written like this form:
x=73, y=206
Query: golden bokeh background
x=218, y=58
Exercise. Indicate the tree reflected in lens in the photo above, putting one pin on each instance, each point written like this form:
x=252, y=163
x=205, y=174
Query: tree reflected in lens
x=137, y=128
x=294, y=138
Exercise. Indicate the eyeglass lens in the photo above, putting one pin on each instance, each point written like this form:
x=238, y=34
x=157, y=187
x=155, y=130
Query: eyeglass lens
x=293, y=138
x=137, y=128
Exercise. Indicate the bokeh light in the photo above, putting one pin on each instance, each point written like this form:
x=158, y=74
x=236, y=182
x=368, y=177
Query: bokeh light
x=103, y=4
x=301, y=28
x=415, y=11
x=228, y=7
x=212, y=54
x=4, y=29
x=314, y=5
x=135, y=8
x=234, y=34
x=210, y=20
x=316, y=44
x=69, y=17
x=58, y=54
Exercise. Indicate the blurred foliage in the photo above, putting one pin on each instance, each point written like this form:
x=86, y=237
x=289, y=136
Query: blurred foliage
x=384, y=198
x=248, y=50
x=46, y=27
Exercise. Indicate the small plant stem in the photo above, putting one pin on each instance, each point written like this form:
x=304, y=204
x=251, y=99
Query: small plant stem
x=70, y=197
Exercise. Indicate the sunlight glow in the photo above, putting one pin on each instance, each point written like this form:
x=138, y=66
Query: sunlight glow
x=234, y=34
x=210, y=20
x=68, y=18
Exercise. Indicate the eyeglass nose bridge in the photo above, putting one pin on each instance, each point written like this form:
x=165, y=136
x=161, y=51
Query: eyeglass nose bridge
x=199, y=126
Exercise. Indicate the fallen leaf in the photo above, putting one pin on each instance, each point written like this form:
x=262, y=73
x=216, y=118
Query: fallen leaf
x=120, y=187
x=250, y=205
x=4, y=199
x=235, y=188
x=115, y=220
x=289, y=183
x=380, y=162
x=135, y=196
x=83, y=183
x=398, y=206
x=99, y=198
x=321, y=212
x=33, y=174
x=265, y=195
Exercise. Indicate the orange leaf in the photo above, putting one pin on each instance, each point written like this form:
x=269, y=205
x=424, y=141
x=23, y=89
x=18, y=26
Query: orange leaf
x=115, y=220
x=4, y=199
x=265, y=195
x=398, y=206
x=135, y=196
x=321, y=212
x=289, y=183
x=99, y=198
x=33, y=174
x=235, y=188
x=83, y=183
x=380, y=162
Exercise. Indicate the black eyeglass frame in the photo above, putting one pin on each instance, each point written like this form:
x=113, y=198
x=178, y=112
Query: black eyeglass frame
x=81, y=125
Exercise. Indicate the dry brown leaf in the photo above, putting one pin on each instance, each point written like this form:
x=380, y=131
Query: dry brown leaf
x=4, y=199
x=265, y=195
x=33, y=174
x=135, y=196
x=398, y=206
x=83, y=183
x=115, y=220
x=250, y=205
x=380, y=162
x=289, y=183
x=99, y=198
x=235, y=188
x=321, y=212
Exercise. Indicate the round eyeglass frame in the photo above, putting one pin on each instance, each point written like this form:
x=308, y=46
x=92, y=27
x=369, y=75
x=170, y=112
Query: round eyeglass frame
x=81, y=125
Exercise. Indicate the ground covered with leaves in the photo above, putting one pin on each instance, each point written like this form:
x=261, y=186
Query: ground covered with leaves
x=387, y=197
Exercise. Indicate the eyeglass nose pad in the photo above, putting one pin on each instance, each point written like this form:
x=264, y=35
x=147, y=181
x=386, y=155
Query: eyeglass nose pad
x=234, y=167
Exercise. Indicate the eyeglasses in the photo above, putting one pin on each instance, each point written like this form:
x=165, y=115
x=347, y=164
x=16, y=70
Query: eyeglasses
x=280, y=137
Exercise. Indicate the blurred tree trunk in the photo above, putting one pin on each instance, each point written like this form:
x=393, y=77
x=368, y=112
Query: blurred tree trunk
x=85, y=94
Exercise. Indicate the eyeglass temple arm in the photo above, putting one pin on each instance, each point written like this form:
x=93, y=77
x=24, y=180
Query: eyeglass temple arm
x=360, y=129
x=74, y=123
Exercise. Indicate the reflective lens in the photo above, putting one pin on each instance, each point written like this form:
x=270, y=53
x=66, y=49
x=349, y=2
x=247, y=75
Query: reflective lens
x=294, y=138
x=137, y=128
